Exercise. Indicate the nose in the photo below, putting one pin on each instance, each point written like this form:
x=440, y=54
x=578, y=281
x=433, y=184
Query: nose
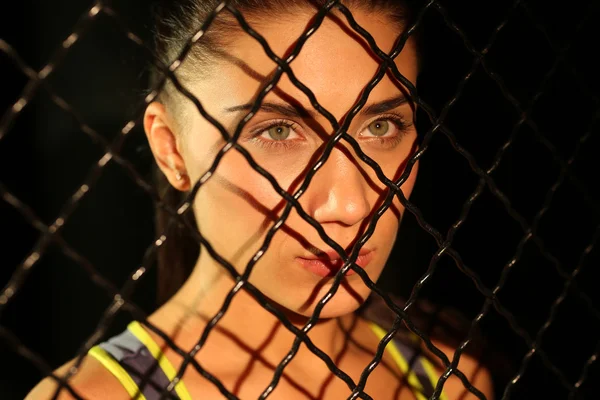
x=338, y=191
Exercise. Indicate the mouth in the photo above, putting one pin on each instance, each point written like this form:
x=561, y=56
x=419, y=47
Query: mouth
x=329, y=263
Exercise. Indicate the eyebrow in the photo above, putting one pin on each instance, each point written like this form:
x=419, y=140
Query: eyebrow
x=384, y=106
x=280, y=108
x=292, y=111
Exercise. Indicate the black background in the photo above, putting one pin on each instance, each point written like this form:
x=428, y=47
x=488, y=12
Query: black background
x=46, y=156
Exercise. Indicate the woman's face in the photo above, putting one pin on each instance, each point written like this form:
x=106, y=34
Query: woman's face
x=236, y=207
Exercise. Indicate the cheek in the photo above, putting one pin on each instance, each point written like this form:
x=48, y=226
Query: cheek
x=406, y=188
x=393, y=166
x=389, y=223
x=236, y=206
x=234, y=186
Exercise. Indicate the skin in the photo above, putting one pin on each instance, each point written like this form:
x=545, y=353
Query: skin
x=237, y=206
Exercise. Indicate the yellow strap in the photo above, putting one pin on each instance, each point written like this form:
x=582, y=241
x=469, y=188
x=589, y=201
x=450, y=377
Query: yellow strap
x=428, y=367
x=117, y=370
x=403, y=364
x=144, y=337
x=413, y=381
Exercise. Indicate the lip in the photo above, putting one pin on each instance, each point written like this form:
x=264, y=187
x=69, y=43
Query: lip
x=330, y=263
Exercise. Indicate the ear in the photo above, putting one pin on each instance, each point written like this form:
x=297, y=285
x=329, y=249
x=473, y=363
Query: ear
x=164, y=145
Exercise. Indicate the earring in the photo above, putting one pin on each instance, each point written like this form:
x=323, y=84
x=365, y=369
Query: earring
x=178, y=175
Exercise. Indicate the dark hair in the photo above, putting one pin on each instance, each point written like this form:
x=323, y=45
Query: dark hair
x=176, y=21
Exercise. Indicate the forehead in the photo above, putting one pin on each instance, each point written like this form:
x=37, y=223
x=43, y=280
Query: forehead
x=335, y=63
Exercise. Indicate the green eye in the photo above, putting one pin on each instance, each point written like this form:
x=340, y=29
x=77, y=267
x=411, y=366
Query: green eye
x=280, y=132
x=379, y=128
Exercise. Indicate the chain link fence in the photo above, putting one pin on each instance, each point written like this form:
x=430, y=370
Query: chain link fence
x=503, y=226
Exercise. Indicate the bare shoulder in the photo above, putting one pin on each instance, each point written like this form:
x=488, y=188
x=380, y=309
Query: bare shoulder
x=92, y=381
x=478, y=375
x=446, y=327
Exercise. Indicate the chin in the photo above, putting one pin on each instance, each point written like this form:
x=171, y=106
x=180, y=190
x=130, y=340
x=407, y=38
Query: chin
x=342, y=303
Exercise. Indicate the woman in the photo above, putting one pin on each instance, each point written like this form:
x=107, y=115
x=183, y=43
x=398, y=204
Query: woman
x=235, y=208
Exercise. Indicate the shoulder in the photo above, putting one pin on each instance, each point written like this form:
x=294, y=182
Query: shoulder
x=447, y=328
x=477, y=373
x=92, y=381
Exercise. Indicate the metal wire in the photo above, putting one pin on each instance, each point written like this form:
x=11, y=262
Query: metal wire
x=51, y=234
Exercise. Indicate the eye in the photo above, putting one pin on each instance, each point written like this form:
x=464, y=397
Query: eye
x=379, y=127
x=387, y=131
x=280, y=132
x=386, y=127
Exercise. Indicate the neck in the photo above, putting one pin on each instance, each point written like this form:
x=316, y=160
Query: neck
x=246, y=322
